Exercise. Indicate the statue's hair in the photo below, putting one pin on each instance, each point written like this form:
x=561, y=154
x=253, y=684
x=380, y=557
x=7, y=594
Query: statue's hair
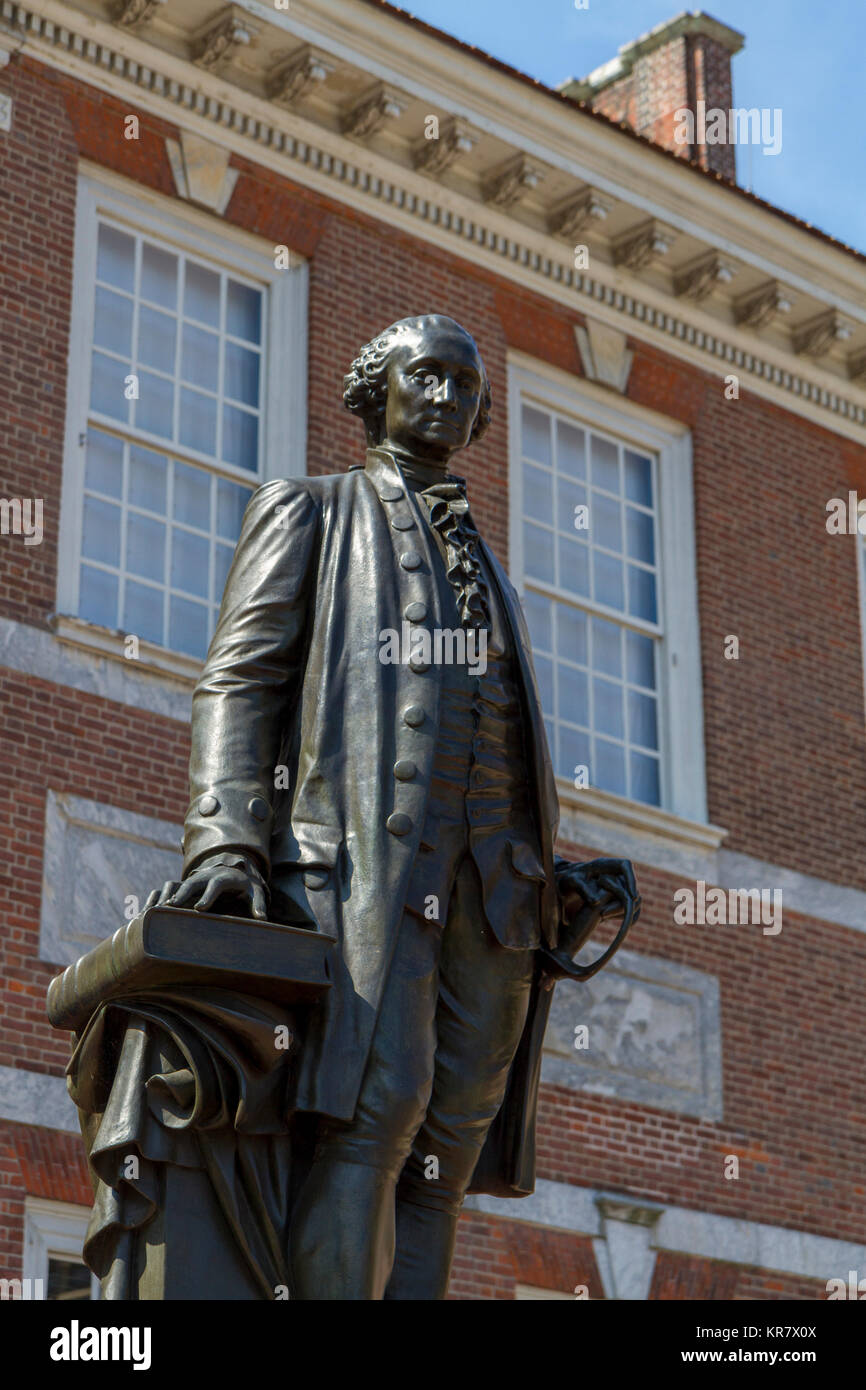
x=365, y=386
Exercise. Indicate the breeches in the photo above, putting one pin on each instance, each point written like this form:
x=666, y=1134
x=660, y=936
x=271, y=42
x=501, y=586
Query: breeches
x=450, y=1020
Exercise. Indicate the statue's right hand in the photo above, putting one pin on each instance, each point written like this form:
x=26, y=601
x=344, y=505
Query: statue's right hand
x=210, y=882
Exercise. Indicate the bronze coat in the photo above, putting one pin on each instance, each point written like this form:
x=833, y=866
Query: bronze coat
x=297, y=726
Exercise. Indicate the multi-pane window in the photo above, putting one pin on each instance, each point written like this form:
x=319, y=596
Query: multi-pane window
x=591, y=593
x=174, y=437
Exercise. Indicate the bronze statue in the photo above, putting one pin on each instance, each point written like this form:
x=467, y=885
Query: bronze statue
x=369, y=760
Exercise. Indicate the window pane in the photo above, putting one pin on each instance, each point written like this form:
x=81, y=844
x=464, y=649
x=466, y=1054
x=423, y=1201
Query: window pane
x=97, y=596
x=223, y=555
x=67, y=1281
x=570, y=496
x=156, y=338
x=571, y=634
x=115, y=258
x=645, y=784
x=605, y=464
x=142, y=611
x=638, y=478
x=642, y=727
x=145, y=547
x=607, y=712
x=159, y=275
x=190, y=562
x=104, y=467
x=606, y=647
x=192, y=496
x=112, y=323
x=201, y=298
x=605, y=522
x=232, y=500
x=147, y=479
x=107, y=387
x=536, y=435
x=201, y=357
x=642, y=593
x=573, y=565
x=197, y=421
x=539, y=619
x=154, y=408
x=573, y=693
x=570, y=450
x=244, y=312
x=639, y=535
x=573, y=752
x=609, y=767
x=100, y=538
x=188, y=626
x=538, y=552
x=640, y=657
x=607, y=573
x=538, y=493
x=240, y=437
x=544, y=675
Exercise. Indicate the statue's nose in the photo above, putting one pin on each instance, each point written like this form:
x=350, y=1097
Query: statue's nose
x=447, y=394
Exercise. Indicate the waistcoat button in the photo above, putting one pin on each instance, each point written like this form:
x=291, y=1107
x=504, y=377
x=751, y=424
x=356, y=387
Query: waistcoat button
x=415, y=612
x=402, y=523
x=414, y=715
x=399, y=823
x=410, y=560
x=404, y=770
x=208, y=805
x=258, y=808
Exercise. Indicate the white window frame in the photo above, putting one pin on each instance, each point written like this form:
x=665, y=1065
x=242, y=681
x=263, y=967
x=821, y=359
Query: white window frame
x=53, y=1229
x=680, y=695
x=284, y=339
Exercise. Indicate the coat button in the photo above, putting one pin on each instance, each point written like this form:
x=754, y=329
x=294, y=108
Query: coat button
x=416, y=663
x=258, y=808
x=402, y=523
x=399, y=823
x=207, y=805
x=410, y=560
x=413, y=715
x=415, y=612
x=390, y=494
x=404, y=770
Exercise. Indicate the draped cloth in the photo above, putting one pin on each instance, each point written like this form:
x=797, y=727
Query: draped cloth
x=449, y=515
x=190, y=1080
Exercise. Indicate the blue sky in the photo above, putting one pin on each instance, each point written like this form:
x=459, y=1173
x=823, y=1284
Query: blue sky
x=806, y=58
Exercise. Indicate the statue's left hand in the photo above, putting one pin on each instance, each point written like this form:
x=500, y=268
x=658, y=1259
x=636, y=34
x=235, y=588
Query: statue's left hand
x=608, y=883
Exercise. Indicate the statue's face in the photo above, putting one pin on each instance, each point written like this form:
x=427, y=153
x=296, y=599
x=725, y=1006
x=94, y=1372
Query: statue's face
x=434, y=387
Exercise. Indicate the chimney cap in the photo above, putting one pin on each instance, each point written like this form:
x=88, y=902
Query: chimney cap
x=688, y=22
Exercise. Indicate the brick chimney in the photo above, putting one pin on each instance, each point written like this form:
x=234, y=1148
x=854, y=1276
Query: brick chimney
x=676, y=65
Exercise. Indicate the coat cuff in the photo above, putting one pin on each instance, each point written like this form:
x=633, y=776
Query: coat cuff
x=226, y=819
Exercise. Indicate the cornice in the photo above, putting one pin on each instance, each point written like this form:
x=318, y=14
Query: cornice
x=491, y=234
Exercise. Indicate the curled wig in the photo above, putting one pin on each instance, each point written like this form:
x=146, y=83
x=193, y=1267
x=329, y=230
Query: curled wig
x=365, y=385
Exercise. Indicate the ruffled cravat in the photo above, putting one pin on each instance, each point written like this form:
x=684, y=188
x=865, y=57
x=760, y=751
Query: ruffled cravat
x=449, y=514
